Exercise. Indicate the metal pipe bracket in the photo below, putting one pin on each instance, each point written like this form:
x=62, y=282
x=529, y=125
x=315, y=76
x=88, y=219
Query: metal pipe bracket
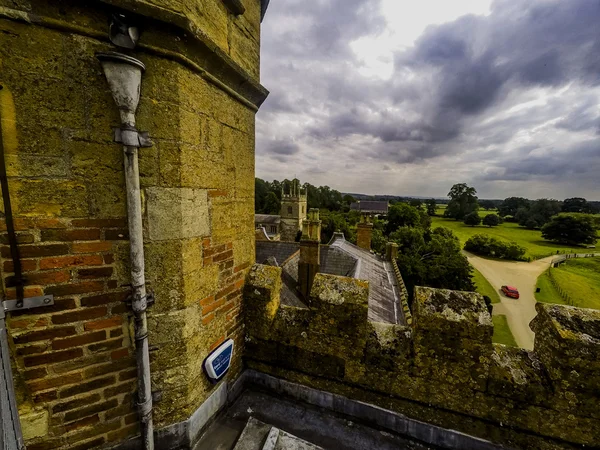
x=142, y=304
x=132, y=137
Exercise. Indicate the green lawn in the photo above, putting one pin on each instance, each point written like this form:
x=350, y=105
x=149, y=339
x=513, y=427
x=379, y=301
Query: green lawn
x=484, y=287
x=502, y=334
x=482, y=212
x=548, y=293
x=578, y=278
x=530, y=239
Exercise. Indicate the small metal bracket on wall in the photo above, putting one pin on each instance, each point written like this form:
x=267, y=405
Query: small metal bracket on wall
x=27, y=303
x=132, y=138
x=123, y=32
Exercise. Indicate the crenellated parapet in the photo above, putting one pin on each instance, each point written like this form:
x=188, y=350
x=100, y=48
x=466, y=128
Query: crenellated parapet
x=442, y=369
x=402, y=290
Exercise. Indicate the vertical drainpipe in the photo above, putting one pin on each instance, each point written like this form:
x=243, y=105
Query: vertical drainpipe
x=124, y=75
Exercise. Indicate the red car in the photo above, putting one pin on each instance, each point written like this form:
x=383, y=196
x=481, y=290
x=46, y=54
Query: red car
x=510, y=291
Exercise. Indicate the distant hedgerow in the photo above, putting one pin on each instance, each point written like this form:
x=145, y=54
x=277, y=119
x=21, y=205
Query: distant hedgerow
x=485, y=245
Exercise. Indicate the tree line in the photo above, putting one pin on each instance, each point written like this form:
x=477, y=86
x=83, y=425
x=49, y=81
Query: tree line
x=267, y=197
x=432, y=256
x=570, y=222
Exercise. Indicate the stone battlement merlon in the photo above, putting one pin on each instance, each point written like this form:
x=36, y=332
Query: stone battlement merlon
x=443, y=369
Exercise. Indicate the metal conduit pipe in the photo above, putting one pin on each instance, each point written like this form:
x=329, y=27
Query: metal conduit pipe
x=124, y=75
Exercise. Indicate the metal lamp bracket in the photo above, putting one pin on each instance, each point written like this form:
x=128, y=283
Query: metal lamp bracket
x=132, y=138
x=27, y=303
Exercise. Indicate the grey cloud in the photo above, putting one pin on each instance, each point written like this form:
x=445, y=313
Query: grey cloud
x=557, y=164
x=585, y=116
x=284, y=148
x=478, y=59
x=279, y=149
x=465, y=76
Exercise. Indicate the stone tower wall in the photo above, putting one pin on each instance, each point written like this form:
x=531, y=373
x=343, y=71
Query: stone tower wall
x=444, y=369
x=74, y=363
x=294, y=210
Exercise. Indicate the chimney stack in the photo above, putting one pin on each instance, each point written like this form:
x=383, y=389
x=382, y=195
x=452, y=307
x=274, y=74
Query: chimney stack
x=364, y=231
x=391, y=251
x=310, y=252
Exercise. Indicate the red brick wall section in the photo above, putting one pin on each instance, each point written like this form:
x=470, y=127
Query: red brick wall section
x=227, y=302
x=75, y=358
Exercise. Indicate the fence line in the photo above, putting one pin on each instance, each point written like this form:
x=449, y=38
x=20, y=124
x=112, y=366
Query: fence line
x=566, y=297
x=559, y=259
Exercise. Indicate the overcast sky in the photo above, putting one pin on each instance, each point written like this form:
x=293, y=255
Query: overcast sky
x=409, y=97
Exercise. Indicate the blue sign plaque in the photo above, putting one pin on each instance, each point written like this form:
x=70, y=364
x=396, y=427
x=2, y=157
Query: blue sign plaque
x=217, y=363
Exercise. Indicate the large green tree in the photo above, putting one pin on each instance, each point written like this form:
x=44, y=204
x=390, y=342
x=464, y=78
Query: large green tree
x=431, y=206
x=261, y=190
x=334, y=221
x=272, y=204
x=348, y=199
x=538, y=213
x=431, y=258
x=463, y=200
x=472, y=219
x=491, y=220
x=577, y=205
x=511, y=205
x=487, y=204
x=402, y=215
x=571, y=229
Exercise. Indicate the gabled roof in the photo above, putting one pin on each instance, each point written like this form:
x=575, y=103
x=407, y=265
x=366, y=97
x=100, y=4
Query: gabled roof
x=370, y=206
x=384, y=297
x=267, y=218
x=279, y=249
x=342, y=258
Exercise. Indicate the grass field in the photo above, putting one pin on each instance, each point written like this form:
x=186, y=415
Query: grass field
x=578, y=278
x=530, y=239
x=502, y=334
x=484, y=287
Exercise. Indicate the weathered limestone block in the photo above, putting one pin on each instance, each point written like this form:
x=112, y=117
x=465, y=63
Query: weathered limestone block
x=290, y=325
x=339, y=307
x=262, y=298
x=34, y=424
x=389, y=346
x=177, y=213
x=453, y=313
x=516, y=374
x=452, y=336
x=567, y=341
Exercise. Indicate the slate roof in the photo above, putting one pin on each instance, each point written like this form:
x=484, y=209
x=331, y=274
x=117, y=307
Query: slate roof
x=267, y=218
x=339, y=257
x=337, y=262
x=384, y=297
x=370, y=206
x=280, y=250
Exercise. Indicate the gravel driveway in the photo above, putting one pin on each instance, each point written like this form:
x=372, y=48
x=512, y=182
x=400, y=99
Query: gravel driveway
x=523, y=276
